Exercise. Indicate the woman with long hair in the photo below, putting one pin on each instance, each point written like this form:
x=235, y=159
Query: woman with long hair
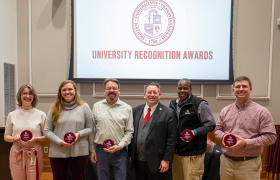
x=26, y=156
x=68, y=114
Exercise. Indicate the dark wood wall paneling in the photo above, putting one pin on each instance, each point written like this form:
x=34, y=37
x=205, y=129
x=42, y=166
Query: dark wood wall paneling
x=4, y=156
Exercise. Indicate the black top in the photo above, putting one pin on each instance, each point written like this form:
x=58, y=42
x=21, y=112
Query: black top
x=188, y=119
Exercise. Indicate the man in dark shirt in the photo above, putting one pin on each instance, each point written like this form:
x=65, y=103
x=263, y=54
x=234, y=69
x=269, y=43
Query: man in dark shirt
x=193, y=113
x=154, y=139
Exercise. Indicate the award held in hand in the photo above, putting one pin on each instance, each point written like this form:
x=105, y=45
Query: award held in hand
x=108, y=143
x=187, y=135
x=230, y=140
x=26, y=135
x=69, y=137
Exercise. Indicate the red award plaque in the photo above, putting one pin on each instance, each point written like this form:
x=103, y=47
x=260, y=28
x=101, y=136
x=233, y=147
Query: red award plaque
x=69, y=137
x=26, y=135
x=108, y=143
x=187, y=135
x=230, y=140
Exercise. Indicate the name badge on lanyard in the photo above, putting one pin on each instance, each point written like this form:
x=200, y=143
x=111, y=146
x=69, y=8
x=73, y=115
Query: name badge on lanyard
x=33, y=161
x=33, y=158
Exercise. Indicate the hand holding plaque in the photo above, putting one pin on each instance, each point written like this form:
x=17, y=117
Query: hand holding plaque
x=230, y=140
x=69, y=137
x=187, y=135
x=108, y=143
x=26, y=135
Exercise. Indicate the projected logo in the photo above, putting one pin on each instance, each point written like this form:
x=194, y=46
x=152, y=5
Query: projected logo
x=153, y=22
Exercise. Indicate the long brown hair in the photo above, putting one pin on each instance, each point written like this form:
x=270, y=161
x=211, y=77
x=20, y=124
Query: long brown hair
x=59, y=106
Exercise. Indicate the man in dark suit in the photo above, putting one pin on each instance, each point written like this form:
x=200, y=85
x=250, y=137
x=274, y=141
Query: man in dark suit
x=154, y=139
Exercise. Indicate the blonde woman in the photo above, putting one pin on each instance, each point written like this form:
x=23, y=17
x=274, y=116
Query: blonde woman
x=68, y=114
x=26, y=158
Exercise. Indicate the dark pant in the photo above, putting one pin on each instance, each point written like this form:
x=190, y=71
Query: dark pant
x=142, y=172
x=77, y=166
x=111, y=164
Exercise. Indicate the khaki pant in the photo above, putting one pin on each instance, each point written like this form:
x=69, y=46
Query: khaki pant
x=188, y=167
x=20, y=156
x=240, y=170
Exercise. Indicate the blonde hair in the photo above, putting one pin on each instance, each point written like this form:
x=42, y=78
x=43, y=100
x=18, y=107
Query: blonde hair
x=59, y=105
x=32, y=91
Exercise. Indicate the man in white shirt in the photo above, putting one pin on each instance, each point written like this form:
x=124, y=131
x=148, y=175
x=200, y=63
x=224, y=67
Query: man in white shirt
x=112, y=119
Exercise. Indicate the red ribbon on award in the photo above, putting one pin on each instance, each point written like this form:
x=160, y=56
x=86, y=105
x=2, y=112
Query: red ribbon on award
x=26, y=135
x=187, y=135
x=108, y=143
x=69, y=137
x=230, y=140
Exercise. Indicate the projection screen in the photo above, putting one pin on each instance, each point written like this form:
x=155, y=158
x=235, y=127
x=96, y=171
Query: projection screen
x=145, y=40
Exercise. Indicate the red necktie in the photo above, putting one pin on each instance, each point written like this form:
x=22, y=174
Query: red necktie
x=147, y=115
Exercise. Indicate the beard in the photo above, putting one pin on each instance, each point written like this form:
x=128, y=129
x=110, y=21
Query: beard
x=112, y=98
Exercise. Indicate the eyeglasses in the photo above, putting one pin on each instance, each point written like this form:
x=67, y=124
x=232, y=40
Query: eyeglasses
x=111, y=89
x=26, y=94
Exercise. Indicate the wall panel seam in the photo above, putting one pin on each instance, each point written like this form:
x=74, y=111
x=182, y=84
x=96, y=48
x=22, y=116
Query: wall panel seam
x=30, y=41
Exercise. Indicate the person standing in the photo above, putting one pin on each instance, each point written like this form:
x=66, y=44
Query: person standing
x=154, y=140
x=252, y=125
x=68, y=114
x=112, y=120
x=26, y=157
x=193, y=113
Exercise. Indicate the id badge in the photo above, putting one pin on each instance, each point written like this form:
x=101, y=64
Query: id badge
x=33, y=161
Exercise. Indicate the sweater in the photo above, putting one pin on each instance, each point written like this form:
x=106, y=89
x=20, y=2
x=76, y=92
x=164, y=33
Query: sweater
x=21, y=120
x=74, y=118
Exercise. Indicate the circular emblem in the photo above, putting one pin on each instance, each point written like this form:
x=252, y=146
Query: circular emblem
x=69, y=137
x=26, y=135
x=153, y=22
x=187, y=135
x=108, y=143
x=230, y=140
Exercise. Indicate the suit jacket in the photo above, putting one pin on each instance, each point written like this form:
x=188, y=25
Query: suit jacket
x=161, y=138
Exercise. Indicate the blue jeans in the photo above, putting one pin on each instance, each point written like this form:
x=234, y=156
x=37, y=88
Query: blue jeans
x=111, y=164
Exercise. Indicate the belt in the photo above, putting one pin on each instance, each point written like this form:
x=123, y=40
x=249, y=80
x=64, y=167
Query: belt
x=100, y=145
x=240, y=158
